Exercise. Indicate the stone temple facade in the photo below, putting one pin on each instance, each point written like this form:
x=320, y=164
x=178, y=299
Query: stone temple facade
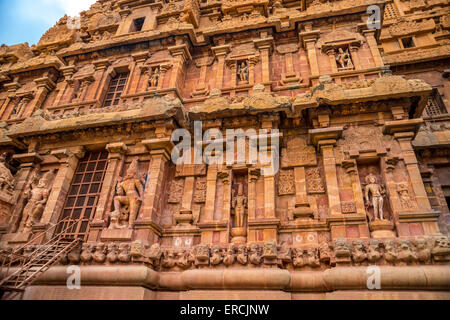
x=361, y=114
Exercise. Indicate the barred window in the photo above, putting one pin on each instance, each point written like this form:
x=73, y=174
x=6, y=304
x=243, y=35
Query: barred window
x=390, y=12
x=115, y=90
x=435, y=106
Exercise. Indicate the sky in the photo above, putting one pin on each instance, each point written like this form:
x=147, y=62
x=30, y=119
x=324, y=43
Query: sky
x=27, y=20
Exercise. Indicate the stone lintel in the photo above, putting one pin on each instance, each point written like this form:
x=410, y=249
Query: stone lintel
x=327, y=134
x=32, y=157
x=409, y=125
x=221, y=50
x=418, y=216
x=117, y=148
x=159, y=144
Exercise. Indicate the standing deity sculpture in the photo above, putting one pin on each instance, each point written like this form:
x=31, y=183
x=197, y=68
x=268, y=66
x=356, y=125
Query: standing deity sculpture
x=154, y=77
x=243, y=72
x=37, y=195
x=239, y=205
x=128, y=201
x=373, y=195
x=6, y=177
x=343, y=59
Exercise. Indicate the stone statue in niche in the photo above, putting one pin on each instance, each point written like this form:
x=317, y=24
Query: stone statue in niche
x=243, y=72
x=343, y=59
x=154, y=77
x=373, y=196
x=37, y=196
x=128, y=201
x=239, y=205
x=6, y=177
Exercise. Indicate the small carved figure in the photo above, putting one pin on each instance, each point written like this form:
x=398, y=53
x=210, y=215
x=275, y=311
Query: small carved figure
x=255, y=254
x=423, y=251
x=344, y=59
x=37, y=196
x=154, y=77
x=216, y=257
x=405, y=198
x=137, y=249
x=6, y=177
x=373, y=195
x=299, y=260
x=130, y=192
x=87, y=251
x=99, y=255
x=342, y=251
x=201, y=254
x=168, y=260
x=239, y=206
x=242, y=254
x=184, y=261
x=124, y=252
x=230, y=256
x=243, y=72
x=373, y=253
x=155, y=254
x=18, y=108
x=390, y=253
x=311, y=258
x=285, y=253
x=325, y=253
x=441, y=247
x=270, y=250
x=405, y=254
x=74, y=255
x=112, y=252
x=359, y=252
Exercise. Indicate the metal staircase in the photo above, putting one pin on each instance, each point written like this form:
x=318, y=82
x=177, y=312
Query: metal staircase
x=20, y=271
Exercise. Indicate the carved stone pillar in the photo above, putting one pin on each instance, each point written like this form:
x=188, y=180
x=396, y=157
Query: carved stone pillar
x=325, y=140
x=220, y=52
x=233, y=67
x=163, y=69
x=100, y=68
x=62, y=86
x=136, y=72
x=331, y=56
x=351, y=169
x=372, y=42
x=160, y=150
x=265, y=46
x=211, y=183
x=309, y=38
x=180, y=54
x=116, y=160
x=404, y=132
x=44, y=86
x=355, y=57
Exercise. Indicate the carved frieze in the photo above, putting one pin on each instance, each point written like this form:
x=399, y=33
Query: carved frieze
x=175, y=191
x=297, y=153
x=314, y=181
x=286, y=182
x=200, y=190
